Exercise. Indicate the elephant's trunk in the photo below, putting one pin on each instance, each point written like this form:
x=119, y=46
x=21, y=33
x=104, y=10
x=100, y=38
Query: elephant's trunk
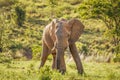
x=60, y=53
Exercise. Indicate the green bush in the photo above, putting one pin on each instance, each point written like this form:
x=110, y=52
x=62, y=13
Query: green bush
x=14, y=46
x=45, y=73
x=117, y=58
x=5, y=59
x=36, y=52
x=85, y=49
x=117, y=49
x=20, y=15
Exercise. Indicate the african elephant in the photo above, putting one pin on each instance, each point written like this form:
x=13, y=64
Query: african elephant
x=57, y=36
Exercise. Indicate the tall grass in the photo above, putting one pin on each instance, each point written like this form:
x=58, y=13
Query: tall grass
x=28, y=70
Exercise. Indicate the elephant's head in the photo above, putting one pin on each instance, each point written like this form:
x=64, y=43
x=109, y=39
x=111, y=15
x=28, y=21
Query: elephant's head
x=66, y=32
x=62, y=34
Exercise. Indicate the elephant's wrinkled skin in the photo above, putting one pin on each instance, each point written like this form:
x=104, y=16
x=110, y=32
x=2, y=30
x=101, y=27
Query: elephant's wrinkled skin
x=57, y=36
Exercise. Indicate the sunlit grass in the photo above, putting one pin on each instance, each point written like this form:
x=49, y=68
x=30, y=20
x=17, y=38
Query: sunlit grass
x=28, y=70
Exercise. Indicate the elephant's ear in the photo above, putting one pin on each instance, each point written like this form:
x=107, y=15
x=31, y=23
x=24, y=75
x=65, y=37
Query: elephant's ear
x=54, y=21
x=76, y=29
x=52, y=28
x=52, y=24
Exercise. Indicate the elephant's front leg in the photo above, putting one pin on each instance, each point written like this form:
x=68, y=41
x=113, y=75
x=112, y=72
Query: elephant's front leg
x=45, y=53
x=76, y=57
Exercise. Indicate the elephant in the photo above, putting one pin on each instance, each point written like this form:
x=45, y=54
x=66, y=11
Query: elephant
x=57, y=36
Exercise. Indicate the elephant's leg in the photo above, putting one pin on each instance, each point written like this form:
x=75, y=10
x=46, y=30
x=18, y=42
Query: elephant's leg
x=62, y=65
x=45, y=53
x=54, y=58
x=76, y=57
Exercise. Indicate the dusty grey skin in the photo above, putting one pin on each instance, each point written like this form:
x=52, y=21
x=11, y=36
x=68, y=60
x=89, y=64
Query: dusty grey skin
x=57, y=36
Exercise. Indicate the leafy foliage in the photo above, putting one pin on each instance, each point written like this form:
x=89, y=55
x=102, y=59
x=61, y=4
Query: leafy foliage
x=106, y=10
x=36, y=52
x=20, y=15
x=5, y=59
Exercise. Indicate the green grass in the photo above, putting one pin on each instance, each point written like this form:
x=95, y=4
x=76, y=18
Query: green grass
x=28, y=70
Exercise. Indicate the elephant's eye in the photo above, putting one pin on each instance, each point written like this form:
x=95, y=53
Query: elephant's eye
x=68, y=35
x=56, y=25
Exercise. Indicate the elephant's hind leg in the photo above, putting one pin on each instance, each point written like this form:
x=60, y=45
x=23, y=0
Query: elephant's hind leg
x=45, y=53
x=76, y=57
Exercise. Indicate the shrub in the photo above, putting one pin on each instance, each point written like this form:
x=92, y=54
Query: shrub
x=117, y=58
x=85, y=49
x=45, y=73
x=117, y=50
x=5, y=59
x=20, y=15
x=36, y=52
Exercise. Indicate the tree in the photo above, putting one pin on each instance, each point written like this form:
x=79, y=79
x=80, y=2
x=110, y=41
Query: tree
x=109, y=12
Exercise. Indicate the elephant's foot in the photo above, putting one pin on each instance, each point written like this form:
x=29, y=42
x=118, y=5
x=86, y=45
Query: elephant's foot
x=62, y=71
x=80, y=71
x=53, y=67
x=40, y=66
